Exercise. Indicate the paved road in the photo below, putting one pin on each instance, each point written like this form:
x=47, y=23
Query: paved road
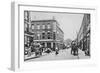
x=63, y=54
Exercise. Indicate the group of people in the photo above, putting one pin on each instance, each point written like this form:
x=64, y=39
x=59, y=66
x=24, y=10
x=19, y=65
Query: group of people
x=38, y=49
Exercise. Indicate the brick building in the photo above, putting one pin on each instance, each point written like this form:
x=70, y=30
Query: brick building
x=46, y=32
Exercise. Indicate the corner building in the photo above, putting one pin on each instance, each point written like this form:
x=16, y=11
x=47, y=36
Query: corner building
x=47, y=33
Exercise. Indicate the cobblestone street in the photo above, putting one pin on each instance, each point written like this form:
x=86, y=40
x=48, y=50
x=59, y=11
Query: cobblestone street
x=63, y=55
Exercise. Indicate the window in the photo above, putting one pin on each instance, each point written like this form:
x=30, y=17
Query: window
x=54, y=35
x=57, y=32
x=43, y=35
x=38, y=36
x=32, y=27
x=38, y=26
x=25, y=38
x=48, y=27
x=26, y=14
x=26, y=27
x=49, y=35
x=43, y=26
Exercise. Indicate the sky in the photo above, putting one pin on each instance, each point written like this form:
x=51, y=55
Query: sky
x=70, y=23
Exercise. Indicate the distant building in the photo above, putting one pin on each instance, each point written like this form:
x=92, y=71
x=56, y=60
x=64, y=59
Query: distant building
x=46, y=32
x=68, y=42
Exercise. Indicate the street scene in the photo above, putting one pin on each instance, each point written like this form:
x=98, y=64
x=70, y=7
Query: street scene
x=56, y=36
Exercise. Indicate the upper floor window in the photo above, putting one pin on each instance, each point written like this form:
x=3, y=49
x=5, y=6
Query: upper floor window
x=48, y=26
x=25, y=39
x=32, y=27
x=38, y=36
x=49, y=35
x=38, y=26
x=26, y=27
x=43, y=35
x=43, y=26
x=25, y=15
x=57, y=32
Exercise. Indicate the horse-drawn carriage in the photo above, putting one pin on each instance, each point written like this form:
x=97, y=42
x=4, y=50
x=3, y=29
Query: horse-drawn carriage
x=37, y=49
x=74, y=48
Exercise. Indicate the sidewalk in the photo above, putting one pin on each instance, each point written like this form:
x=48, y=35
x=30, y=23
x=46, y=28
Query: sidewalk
x=33, y=56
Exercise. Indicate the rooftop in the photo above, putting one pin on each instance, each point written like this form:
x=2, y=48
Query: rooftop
x=43, y=20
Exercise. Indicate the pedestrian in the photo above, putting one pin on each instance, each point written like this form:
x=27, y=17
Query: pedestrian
x=76, y=49
x=56, y=51
x=29, y=51
x=72, y=47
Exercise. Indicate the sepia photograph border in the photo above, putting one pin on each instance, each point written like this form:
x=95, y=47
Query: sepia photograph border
x=17, y=58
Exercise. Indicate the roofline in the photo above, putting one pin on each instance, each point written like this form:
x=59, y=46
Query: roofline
x=43, y=20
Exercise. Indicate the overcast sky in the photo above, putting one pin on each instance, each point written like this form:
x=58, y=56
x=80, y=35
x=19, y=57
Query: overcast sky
x=69, y=22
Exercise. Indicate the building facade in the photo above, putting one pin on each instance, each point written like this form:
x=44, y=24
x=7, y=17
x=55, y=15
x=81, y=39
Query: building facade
x=84, y=33
x=45, y=32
